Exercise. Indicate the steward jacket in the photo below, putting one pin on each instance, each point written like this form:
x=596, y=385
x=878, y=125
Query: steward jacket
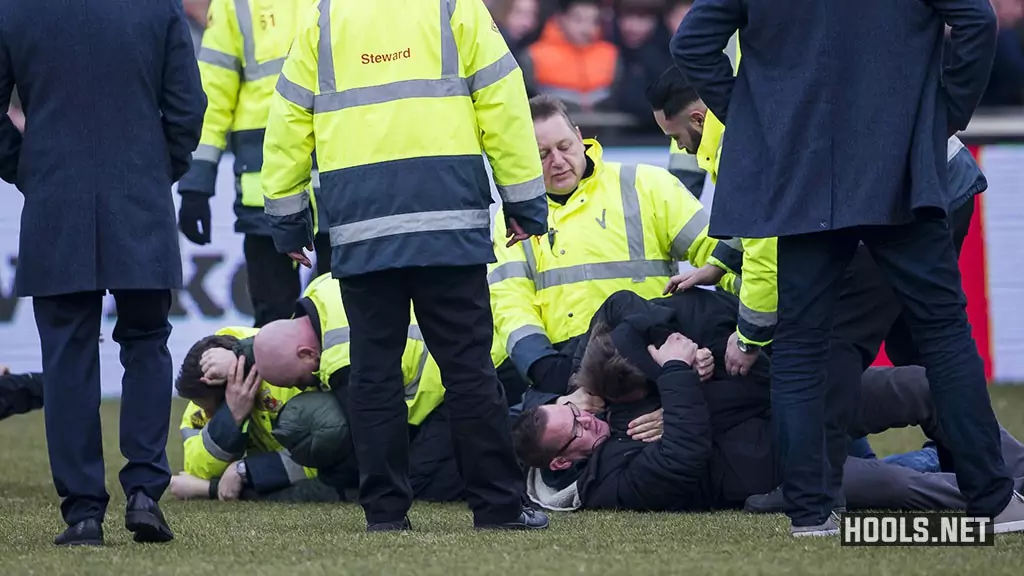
x=244, y=46
x=213, y=441
x=321, y=301
x=625, y=227
x=402, y=101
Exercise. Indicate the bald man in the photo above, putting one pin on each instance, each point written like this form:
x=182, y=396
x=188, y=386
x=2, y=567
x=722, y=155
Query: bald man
x=313, y=348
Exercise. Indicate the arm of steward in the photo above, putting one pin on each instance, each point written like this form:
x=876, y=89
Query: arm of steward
x=755, y=261
x=211, y=448
x=518, y=324
x=220, y=68
x=502, y=112
x=289, y=142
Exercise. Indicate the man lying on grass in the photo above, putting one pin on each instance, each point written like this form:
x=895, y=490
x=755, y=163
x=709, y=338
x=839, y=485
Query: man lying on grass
x=717, y=448
x=232, y=431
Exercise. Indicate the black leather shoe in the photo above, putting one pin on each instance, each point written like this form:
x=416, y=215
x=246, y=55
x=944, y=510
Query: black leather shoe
x=529, y=519
x=773, y=503
x=770, y=503
x=85, y=533
x=143, y=517
x=398, y=526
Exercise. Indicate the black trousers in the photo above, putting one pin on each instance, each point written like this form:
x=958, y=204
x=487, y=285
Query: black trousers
x=919, y=262
x=69, y=333
x=20, y=393
x=453, y=311
x=273, y=278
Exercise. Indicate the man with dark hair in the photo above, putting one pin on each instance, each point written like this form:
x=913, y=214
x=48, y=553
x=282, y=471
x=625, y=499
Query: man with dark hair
x=801, y=164
x=717, y=448
x=231, y=451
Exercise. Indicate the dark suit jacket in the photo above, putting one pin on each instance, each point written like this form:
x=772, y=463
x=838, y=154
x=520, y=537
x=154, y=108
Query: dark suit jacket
x=114, y=107
x=840, y=111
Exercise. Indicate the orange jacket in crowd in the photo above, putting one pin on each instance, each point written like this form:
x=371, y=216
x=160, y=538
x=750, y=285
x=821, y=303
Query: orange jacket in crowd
x=581, y=76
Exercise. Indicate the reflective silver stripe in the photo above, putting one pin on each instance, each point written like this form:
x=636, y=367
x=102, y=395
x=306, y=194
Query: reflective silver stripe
x=604, y=271
x=509, y=270
x=492, y=73
x=263, y=70
x=294, y=93
x=755, y=318
x=251, y=69
x=187, y=433
x=683, y=161
x=408, y=223
x=414, y=333
x=531, y=259
x=325, y=50
x=401, y=90
x=522, y=192
x=449, y=49
x=294, y=204
x=953, y=147
x=412, y=387
x=214, y=450
x=220, y=59
x=314, y=179
x=207, y=153
x=336, y=337
x=296, y=473
x=518, y=334
x=689, y=234
x=737, y=284
x=631, y=211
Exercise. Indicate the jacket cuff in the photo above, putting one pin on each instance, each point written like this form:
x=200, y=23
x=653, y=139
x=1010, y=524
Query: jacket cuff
x=675, y=366
x=529, y=348
x=201, y=178
x=244, y=347
x=222, y=438
x=272, y=471
x=292, y=232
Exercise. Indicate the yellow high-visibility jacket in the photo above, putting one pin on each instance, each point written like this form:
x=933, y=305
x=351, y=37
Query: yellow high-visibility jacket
x=626, y=227
x=424, y=390
x=753, y=259
x=213, y=441
x=399, y=99
x=244, y=46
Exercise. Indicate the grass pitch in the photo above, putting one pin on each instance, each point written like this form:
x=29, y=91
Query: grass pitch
x=297, y=540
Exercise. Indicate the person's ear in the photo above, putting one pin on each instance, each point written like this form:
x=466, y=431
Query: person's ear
x=697, y=118
x=308, y=353
x=559, y=464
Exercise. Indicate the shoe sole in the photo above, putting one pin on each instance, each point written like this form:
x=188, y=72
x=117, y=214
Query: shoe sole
x=1007, y=527
x=518, y=527
x=81, y=543
x=806, y=533
x=147, y=528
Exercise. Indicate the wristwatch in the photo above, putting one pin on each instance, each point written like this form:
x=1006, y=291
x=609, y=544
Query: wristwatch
x=243, y=472
x=747, y=348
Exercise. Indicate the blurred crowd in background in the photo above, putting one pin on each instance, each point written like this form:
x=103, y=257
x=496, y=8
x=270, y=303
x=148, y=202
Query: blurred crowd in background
x=600, y=55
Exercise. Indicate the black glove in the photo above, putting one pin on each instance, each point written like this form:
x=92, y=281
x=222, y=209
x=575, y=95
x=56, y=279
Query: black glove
x=194, y=217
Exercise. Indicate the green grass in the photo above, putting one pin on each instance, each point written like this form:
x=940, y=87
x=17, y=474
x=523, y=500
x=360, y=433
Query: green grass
x=275, y=539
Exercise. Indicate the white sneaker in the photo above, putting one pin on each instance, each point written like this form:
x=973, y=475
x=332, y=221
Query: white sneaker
x=1011, y=519
x=828, y=528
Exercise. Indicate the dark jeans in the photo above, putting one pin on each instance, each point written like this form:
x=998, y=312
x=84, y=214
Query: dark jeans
x=920, y=264
x=273, y=278
x=453, y=312
x=69, y=332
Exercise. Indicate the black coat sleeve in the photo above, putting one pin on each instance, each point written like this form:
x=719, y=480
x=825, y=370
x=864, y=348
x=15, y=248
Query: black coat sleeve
x=668, y=474
x=10, y=137
x=183, y=101
x=698, y=49
x=973, y=48
x=617, y=307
